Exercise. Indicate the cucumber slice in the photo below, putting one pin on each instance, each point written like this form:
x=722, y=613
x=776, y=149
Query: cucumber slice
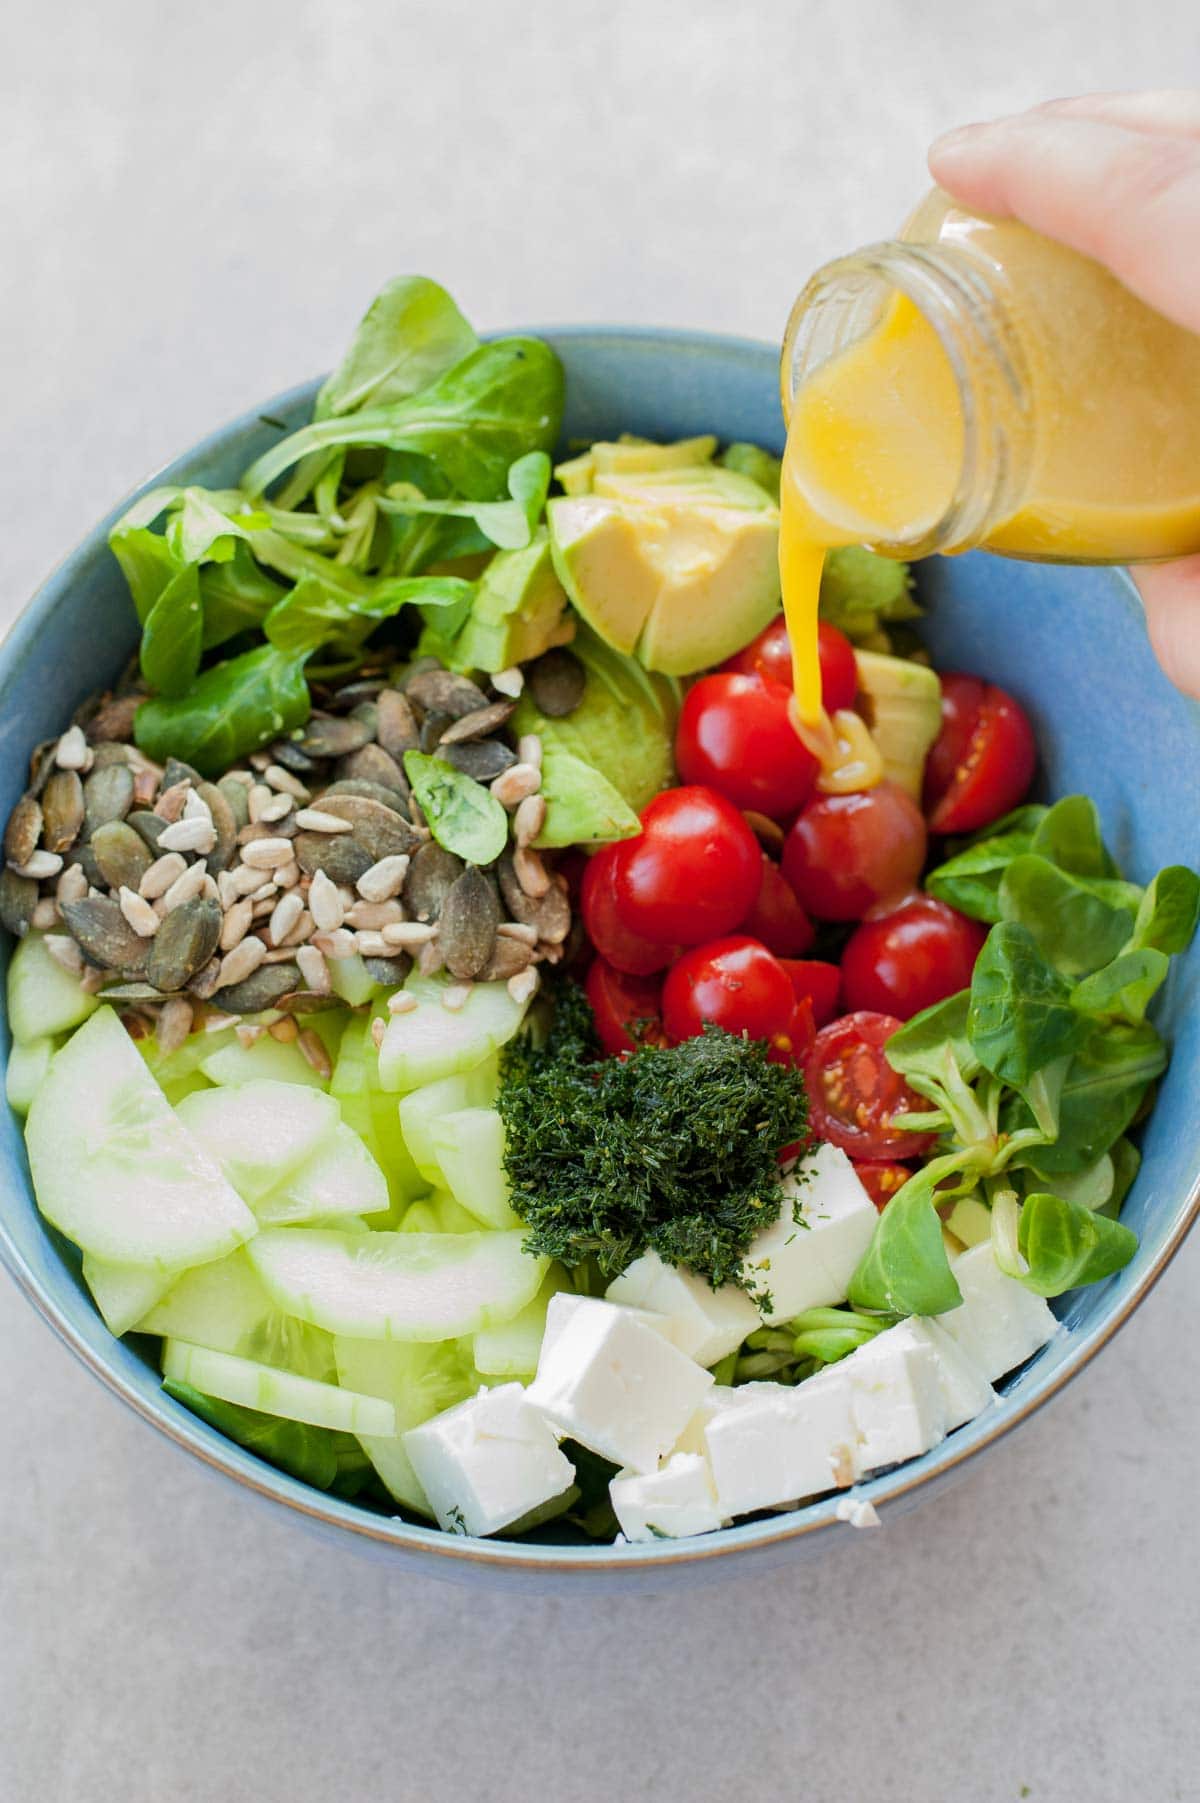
x=420, y=1217
x=470, y=1150
x=420, y=1108
x=28, y=1062
x=123, y=1293
x=179, y=1087
x=260, y=1132
x=450, y=1217
x=350, y=978
x=433, y=1042
x=268, y=1060
x=115, y=1168
x=397, y=1286
x=512, y=1349
x=339, y=1178
x=43, y=998
x=225, y=1306
x=419, y=1382
x=274, y=1392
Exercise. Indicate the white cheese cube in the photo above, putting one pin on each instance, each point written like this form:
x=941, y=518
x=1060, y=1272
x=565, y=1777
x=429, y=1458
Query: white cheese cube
x=613, y=1383
x=721, y=1396
x=1000, y=1323
x=564, y=1304
x=675, y=1501
x=966, y=1392
x=773, y=1445
x=808, y=1256
x=705, y=1323
x=895, y=1396
x=488, y=1461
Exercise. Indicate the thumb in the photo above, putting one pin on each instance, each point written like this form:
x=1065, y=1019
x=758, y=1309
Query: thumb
x=1171, y=592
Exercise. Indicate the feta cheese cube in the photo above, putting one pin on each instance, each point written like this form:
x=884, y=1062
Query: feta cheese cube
x=488, y=1461
x=615, y=1384
x=966, y=1391
x=705, y=1323
x=772, y=1445
x=896, y=1397
x=1000, y=1323
x=808, y=1256
x=564, y=1304
x=677, y=1500
x=721, y=1396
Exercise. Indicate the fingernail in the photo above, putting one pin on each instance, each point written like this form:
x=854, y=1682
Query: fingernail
x=951, y=142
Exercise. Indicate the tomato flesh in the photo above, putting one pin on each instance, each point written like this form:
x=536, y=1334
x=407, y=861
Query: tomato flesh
x=847, y=853
x=777, y=917
x=909, y=959
x=881, y=1179
x=983, y=760
x=694, y=872
x=735, y=734
x=620, y=1001
x=817, y=983
x=628, y=952
x=770, y=655
x=854, y=1094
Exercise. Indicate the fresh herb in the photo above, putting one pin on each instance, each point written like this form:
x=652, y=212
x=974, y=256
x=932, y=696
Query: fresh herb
x=673, y=1149
x=463, y=816
x=970, y=879
x=173, y=634
x=508, y=524
x=1065, y=1245
x=228, y=712
x=410, y=334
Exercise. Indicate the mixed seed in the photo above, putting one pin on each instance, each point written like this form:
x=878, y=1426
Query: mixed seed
x=184, y=901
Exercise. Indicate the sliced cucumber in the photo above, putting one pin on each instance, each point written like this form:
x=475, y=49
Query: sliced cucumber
x=420, y=1108
x=470, y=1150
x=116, y=1169
x=432, y=1042
x=123, y=1293
x=351, y=979
x=420, y=1217
x=260, y=1132
x=419, y=1382
x=274, y=1060
x=512, y=1350
x=450, y=1216
x=179, y=1087
x=397, y=1286
x=226, y=1307
x=339, y=1178
x=273, y=1392
x=28, y=1062
x=43, y=998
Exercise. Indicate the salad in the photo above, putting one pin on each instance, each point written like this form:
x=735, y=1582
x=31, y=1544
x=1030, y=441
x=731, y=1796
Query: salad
x=477, y=1049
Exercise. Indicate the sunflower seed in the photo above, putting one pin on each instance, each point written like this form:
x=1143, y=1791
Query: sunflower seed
x=195, y=807
x=188, y=835
x=529, y=819
x=276, y=777
x=467, y=925
x=284, y=1030
x=523, y=987
x=377, y=1032
x=313, y=968
x=149, y=826
x=481, y=758
x=516, y=784
x=529, y=749
x=241, y=962
x=444, y=692
x=385, y=879
x=372, y=765
x=403, y=1002
x=478, y=725
x=396, y=724
x=328, y=909
x=330, y=737
x=371, y=917
x=374, y=945
x=145, y=786
x=138, y=913
x=266, y=854
x=510, y=681
x=40, y=865
x=237, y=796
x=73, y=751
x=172, y=801
x=287, y=875
x=45, y=915
x=236, y=924
x=408, y=932
x=158, y=876
x=556, y=681
x=189, y=883
x=313, y=1050
x=204, y=986
x=113, y=719
x=317, y=820
x=429, y=959
x=263, y=988
x=336, y=945
x=23, y=831
x=99, y=927
x=184, y=943
x=18, y=899
x=174, y=1024
x=62, y=810
x=431, y=873
x=508, y=957
x=225, y=825
x=72, y=885
x=549, y=914
x=64, y=951
x=284, y=916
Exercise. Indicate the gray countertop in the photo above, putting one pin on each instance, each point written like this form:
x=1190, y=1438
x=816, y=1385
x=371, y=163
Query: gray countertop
x=196, y=204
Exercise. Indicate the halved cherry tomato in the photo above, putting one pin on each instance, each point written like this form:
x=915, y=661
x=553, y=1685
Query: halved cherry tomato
x=627, y=951
x=620, y=1001
x=735, y=734
x=818, y=983
x=983, y=760
x=846, y=853
x=853, y=1092
x=770, y=654
x=909, y=959
x=880, y=1180
x=735, y=983
x=694, y=872
x=777, y=917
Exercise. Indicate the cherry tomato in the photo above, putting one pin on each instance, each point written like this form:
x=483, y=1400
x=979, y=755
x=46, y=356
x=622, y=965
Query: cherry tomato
x=777, y=917
x=692, y=875
x=853, y=1092
x=911, y=958
x=735, y=734
x=629, y=952
x=818, y=983
x=845, y=853
x=770, y=655
x=880, y=1180
x=983, y=760
x=619, y=1001
x=734, y=982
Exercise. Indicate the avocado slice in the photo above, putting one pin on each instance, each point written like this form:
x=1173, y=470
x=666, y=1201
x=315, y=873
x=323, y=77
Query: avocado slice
x=629, y=455
x=518, y=612
x=902, y=702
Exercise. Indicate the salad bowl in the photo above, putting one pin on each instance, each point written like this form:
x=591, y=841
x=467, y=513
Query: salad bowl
x=1070, y=643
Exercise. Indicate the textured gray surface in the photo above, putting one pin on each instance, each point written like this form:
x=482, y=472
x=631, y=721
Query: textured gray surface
x=195, y=204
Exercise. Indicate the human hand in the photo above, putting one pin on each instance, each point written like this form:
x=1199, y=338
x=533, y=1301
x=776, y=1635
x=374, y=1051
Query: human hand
x=1117, y=177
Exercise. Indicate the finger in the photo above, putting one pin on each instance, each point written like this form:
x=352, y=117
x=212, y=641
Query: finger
x=1158, y=110
x=1130, y=199
x=1171, y=592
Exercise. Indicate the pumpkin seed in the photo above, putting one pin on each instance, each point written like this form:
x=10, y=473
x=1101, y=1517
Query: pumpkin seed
x=148, y=826
x=349, y=697
x=176, y=771
x=432, y=728
x=237, y=799
x=184, y=943
x=103, y=934
x=378, y=829
x=328, y=736
x=62, y=810
x=509, y=956
x=261, y=989
x=478, y=725
x=107, y=795
x=23, y=831
x=122, y=854
x=225, y=824
x=484, y=759
x=396, y=724
x=389, y=971
x=467, y=925
x=289, y=753
x=431, y=875
x=550, y=913
x=130, y=992
x=339, y=855
x=444, y=692
x=357, y=785
x=113, y=720
x=18, y=899
x=556, y=681
x=367, y=714
x=372, y=764
x=110, y=753
x=42, y=765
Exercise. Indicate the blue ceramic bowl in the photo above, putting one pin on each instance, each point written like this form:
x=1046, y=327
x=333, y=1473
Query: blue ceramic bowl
x=1070, y=643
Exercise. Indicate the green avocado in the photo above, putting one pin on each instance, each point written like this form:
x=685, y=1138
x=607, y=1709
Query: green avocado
x=518, y=611
x=902, y=702
x=628, y=456
x=678, y=566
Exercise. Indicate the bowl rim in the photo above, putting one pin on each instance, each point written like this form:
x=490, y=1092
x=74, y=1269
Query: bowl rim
x=192, y=1436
